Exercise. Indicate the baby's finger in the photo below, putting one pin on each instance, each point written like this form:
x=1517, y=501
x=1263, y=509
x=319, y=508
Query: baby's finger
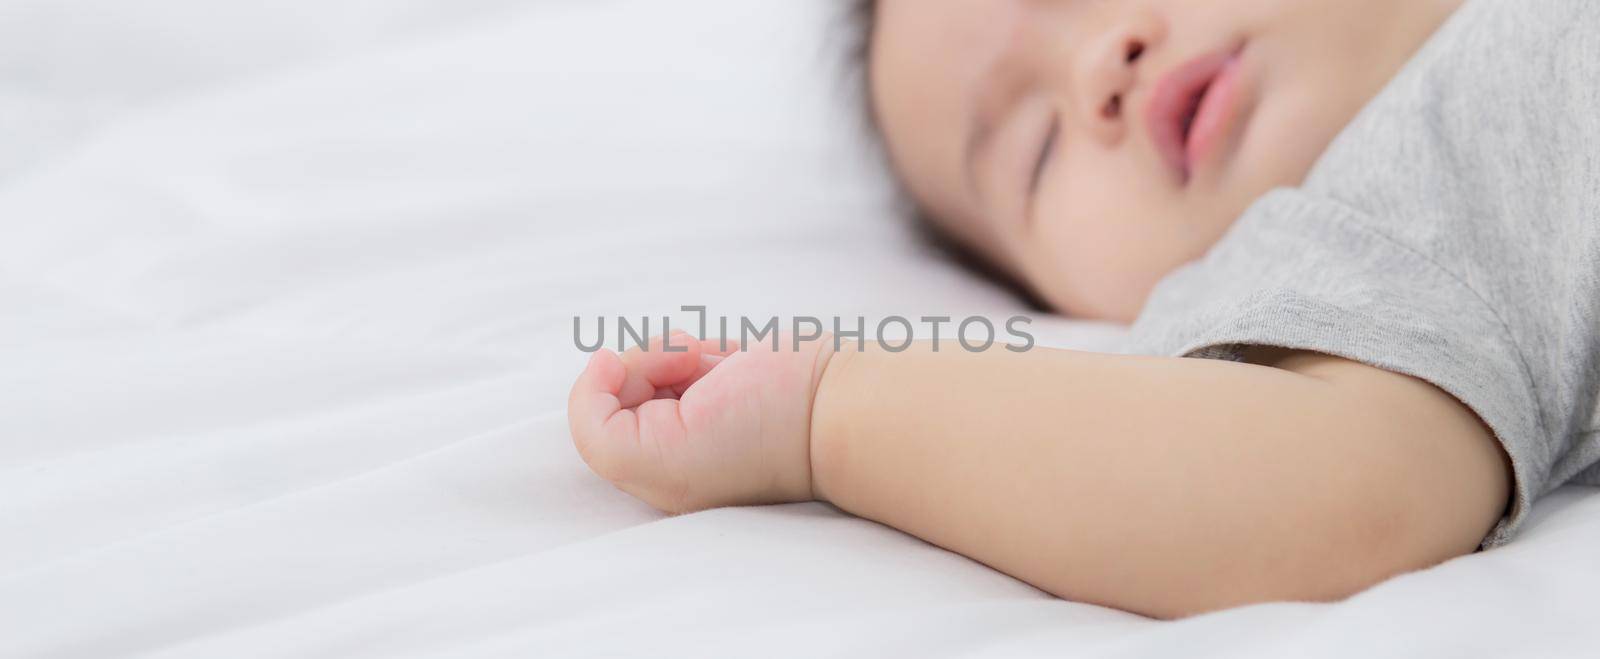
x=662, y=432
x=720, y=347
x=708, y=361
x=594, y=396
x=606, y=435
x=654, y=369
x=713, y=351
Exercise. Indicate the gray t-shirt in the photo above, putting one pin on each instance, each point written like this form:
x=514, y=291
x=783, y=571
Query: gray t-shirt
x=1451, y=233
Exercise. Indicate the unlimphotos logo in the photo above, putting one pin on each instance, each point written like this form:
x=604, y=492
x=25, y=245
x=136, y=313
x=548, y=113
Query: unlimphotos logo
x=972, y=334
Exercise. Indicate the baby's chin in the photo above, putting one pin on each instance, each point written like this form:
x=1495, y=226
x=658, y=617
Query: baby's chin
x=1109, y=301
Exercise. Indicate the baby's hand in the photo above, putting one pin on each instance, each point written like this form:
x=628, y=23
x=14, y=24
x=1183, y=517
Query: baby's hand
x=705, y=428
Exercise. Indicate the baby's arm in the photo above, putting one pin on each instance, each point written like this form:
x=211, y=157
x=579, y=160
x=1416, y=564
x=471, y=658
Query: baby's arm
x=1165, y=487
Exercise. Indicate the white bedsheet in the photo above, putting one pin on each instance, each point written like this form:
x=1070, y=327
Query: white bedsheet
x=285, y=338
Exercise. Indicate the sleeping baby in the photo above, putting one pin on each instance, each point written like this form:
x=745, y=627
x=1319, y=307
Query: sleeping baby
x=1358, y=242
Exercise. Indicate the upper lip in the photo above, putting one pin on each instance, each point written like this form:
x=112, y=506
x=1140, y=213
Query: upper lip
x=1173, y=104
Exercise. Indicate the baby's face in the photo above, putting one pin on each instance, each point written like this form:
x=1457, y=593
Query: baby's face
x=1090, y=147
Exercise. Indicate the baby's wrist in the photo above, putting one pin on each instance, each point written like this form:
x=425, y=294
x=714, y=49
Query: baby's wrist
x=832, y=362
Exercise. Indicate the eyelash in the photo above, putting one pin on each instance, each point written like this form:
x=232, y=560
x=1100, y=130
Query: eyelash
x=1043, y=163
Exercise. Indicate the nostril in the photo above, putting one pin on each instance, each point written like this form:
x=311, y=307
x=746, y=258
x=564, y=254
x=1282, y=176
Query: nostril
x=1113, y=107
x=1134, y=52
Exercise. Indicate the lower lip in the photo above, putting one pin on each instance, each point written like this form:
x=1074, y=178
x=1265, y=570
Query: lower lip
x=1213, y=117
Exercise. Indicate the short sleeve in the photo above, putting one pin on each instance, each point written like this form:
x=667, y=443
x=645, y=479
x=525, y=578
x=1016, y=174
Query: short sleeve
x=1304, y=273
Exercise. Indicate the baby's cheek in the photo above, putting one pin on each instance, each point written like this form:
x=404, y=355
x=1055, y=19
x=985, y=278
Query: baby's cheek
x=1096, y=270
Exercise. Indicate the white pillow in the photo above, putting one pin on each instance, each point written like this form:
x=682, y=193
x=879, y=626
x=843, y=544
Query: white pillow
x=69, y=66
x=623, y=157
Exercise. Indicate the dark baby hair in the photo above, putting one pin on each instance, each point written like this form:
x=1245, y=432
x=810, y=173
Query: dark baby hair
x=861, y=23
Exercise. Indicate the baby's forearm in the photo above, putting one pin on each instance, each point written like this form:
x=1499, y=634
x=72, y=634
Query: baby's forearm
x=1161, y=486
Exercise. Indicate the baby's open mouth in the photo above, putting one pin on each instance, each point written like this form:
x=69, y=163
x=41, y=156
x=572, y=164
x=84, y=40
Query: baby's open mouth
x=1187, y=123
x=1189, y=108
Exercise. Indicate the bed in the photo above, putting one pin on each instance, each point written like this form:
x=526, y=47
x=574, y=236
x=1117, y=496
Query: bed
x=287, y=297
